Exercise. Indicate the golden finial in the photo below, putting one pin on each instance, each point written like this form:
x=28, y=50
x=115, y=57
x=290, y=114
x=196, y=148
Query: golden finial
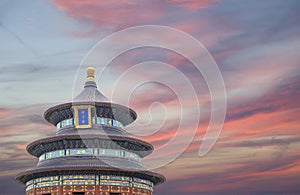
x=90, y=71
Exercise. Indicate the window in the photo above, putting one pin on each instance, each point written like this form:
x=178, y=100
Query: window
x=95, y=120
x=89, y=151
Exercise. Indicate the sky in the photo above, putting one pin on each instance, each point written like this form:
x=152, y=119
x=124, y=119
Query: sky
x=254, y=43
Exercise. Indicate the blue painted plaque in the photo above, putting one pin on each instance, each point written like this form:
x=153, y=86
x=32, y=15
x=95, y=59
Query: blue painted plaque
x=83, y=116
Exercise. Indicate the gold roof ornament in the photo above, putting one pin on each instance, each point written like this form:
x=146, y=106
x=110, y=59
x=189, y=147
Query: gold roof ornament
x=90, y=71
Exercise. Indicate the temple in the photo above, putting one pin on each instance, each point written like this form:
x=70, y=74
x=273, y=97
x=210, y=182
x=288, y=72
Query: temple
x=91, y=153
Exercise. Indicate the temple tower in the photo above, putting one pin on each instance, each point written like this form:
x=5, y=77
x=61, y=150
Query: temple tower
x=90, y=154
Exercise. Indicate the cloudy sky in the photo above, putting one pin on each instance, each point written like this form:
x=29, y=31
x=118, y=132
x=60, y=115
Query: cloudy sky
x=254, y=43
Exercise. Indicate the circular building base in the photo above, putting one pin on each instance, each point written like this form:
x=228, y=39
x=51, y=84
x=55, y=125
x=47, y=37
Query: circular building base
x=88, y=190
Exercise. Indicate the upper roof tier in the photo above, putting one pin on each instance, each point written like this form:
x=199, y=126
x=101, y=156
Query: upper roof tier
x=90, y=92
x=91, y=96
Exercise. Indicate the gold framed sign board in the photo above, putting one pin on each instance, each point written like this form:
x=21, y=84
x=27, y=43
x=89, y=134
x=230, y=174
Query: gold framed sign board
x=82, y=116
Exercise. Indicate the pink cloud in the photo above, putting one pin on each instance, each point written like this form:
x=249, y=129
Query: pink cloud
x=193, y=4
x=115, y=15
x=112, y=14
x=21, y=146
x=6, y=113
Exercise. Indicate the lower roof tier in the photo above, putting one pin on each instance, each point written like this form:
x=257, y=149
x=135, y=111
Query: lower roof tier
x=90, y=161
x=69, y=166
x=68, y=141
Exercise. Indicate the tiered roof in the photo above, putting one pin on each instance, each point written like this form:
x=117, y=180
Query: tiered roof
x=97, y=136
